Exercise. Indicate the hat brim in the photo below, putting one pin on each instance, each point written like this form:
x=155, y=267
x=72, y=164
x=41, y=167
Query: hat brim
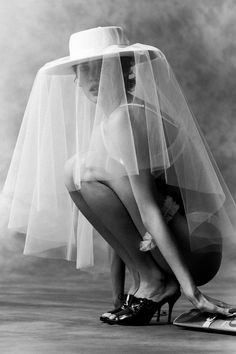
x=65, y=66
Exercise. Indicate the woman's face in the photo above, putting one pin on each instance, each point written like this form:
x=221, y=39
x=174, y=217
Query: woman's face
x=89, y=77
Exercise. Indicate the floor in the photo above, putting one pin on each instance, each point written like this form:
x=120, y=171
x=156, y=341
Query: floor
x=43, y=313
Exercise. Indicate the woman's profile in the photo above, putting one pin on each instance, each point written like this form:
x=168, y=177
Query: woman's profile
x=108, y=142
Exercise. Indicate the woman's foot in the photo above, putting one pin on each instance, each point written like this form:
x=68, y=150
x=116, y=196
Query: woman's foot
x=110, y=315
x=118, y=305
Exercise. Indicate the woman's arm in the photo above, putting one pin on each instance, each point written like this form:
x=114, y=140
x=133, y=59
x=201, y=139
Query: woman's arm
x=126, y=129
x=145, y=194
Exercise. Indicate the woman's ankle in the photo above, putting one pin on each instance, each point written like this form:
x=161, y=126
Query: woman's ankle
x=152, y=276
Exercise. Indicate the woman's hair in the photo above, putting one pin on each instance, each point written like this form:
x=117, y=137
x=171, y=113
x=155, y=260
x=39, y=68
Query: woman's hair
x=127, y=64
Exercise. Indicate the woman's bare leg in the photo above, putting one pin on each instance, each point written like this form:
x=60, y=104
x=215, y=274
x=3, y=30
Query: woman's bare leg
x=122, y=188
x=117, y=277
x=108, y=208
x=117, y=258
x=107, y=235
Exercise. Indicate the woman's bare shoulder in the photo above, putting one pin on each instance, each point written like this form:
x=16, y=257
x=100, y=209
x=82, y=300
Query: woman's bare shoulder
x=133, y=109
x=124, y=115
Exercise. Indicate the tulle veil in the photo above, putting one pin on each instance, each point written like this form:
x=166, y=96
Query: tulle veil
x=61, y=123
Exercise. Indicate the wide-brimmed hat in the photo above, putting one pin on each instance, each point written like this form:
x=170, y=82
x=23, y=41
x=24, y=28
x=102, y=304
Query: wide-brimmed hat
x=93, y=44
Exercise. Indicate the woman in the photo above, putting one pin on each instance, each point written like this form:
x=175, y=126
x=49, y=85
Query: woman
x=135, y=165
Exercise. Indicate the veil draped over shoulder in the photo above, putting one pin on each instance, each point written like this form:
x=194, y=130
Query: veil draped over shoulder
x=61, y=123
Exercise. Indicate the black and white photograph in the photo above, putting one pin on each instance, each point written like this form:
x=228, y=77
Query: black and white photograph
x=118, y=176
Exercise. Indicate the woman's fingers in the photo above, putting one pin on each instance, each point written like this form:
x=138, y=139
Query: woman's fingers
x=230, y=308
x=208, y=304
x=224, y=310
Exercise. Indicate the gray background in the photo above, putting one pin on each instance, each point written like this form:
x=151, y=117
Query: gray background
x=198, y=38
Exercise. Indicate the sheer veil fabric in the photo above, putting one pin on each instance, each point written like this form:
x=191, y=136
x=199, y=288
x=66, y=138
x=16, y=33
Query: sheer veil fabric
x=124, y=131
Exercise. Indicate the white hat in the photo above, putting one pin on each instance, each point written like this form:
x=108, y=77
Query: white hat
x=93, y=44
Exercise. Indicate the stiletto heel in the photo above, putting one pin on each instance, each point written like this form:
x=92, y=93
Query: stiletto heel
x=170, y=313
x=171, y=303
x=158, y=314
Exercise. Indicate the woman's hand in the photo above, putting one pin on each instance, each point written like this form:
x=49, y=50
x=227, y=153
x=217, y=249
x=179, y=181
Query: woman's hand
x=206, y=303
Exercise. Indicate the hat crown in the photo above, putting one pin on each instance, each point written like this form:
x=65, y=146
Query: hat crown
x=95, y=40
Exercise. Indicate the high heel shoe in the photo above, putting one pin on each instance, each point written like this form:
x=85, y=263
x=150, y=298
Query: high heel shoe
x=125, y=301
x=141, y=311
